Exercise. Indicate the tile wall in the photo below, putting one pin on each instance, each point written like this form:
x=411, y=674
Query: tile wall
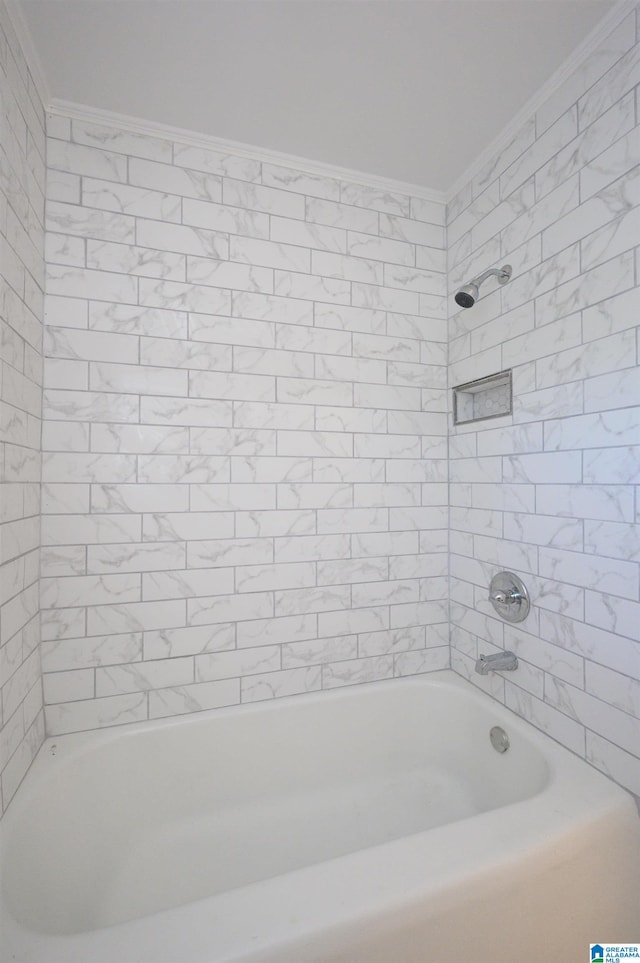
x=244, y=442
x=245, y=422
x=553, y=492
x=22, y=184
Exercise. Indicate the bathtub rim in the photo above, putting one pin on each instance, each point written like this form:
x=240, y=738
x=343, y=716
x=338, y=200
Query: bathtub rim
x=76, y=744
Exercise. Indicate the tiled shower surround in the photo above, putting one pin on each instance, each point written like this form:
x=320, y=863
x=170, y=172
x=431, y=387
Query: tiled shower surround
x=22, y=185
x=246, y=417
x=244, y=469
x=552, y=492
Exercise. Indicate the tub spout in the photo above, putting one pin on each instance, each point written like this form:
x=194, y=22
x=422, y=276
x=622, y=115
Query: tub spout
x=499, y=662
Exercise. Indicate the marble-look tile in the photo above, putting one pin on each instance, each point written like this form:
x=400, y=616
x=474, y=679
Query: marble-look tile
x=139, y=201
x=194, y=640
x=547, y=718
x=220, y=217
x=215, y=162
x=179, y=700
x=550, y=658
x=346, y=268
x=321, y=651
x=599, y=716
x=89, y=223
x=354, y=671
x=179, y=181
x=617, y=615
x=128, y=319
x=299, y=182
x=591, y=642
x=88, y=161
x=229, y=608
x=622, y=76
x=373, y=198
x=273, y=685
x=602, y=429
x=613, y=688
x=120, y=141
x=270, y=200
x=114, y=680
x=590, y=571
x=95, y=713
x=613, y=539
x=286, y=428
x=586, y=73
x=621, y=766
x=67, y=654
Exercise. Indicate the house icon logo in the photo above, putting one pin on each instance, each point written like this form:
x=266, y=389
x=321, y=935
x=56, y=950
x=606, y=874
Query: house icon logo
x=597, y=953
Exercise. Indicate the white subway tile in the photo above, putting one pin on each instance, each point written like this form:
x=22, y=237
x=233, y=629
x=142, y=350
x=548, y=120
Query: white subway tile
x=78, y=159
x=228, y=274
x=140, y=261
x=271, y=469
x=180, y=181
x=287, y=257
x=347, y=268
x=230, y=608
x=89, y=590
x=181, y=584
x=253, y=197
x=346, y=216
x=299, y=182
x=168, y=526
x=604, y=574
x=314, y=651
x=614, y=539
x=241, y=387
x=170, y=643
x=273, y=685
x=265, y=524
x=608, y=503
x=614, y=614
x=117, y=680
x=179, y=700
x=98, y=285
x=602, y=430
x=90, y=223
x=95, y=713
x=175, y=296
x=214, y=162
x=229, y=220
x=265, y=307
x=139, y=498
x=142, y=201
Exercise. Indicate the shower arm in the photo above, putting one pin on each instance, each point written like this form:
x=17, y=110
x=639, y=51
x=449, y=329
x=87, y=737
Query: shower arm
x=502, y=276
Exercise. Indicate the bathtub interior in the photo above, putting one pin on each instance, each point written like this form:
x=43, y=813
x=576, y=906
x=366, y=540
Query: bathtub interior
x=113, y=827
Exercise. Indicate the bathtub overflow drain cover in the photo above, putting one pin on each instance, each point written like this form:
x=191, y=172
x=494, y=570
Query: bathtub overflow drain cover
x=499, y=739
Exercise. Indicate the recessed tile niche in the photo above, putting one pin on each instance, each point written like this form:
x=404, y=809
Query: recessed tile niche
x=489, y=397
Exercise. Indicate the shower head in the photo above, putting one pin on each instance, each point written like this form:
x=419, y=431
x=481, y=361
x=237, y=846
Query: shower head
x=467, y=295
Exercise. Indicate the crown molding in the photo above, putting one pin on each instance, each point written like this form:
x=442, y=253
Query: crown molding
x=18, y=21
x=137, y=125
x=599, y=33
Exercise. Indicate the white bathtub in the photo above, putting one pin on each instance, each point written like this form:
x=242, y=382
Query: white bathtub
x=370, y=825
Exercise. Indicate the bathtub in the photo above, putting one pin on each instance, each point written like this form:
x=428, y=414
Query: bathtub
x=375, y=824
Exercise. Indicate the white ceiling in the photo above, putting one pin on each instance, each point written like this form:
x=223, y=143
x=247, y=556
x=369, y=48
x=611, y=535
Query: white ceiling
x=408, y=89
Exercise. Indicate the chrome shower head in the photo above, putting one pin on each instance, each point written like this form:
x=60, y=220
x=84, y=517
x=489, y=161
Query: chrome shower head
x=467, y=295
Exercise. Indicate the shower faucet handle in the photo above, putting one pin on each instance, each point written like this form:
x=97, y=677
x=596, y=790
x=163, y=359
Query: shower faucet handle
x=509, y=597
x=505, y=598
